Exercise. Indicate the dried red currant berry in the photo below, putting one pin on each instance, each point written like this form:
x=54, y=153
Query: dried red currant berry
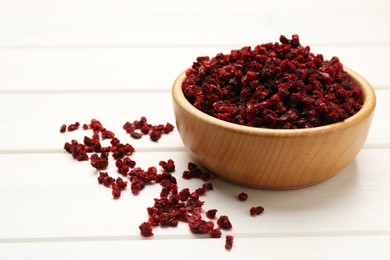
x=146, y=229
x=107, y=181
x=200, y=191
x=186, y=175
x=211, y=213
x=135, y=135
x=224, y=222
x=243, y=196
x=229, y=242
x=254, y=211
x=184, y=194
x=136, y=186
x=208, y=186
x=205, y=176
x=121, y=183
x=85, y=127
x=116, y=192
x=155, y=135
x=168, y=128
x=101, y=177
x=73, y=127
x=215, y=233
x=63, y=128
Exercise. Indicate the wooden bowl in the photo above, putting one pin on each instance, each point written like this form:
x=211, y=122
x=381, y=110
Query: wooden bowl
x=272, y=158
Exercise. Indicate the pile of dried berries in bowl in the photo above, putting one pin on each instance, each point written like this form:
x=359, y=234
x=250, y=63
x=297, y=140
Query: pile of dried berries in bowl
x=274, y=85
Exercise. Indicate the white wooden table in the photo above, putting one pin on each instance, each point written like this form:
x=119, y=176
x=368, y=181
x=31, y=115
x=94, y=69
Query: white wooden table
x=67, y=61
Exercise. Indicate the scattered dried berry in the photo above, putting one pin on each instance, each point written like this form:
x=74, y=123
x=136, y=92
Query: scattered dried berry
x=73, y=127
x=155, y=135
x=224, y=222
x=275, y=85
x=146, y=229
x=243, y=196
x=211, y=213
x=215, y=233
x=116, y=192
x=254, y=211
x=63, y=128
x=229, y=242
x=208, y=186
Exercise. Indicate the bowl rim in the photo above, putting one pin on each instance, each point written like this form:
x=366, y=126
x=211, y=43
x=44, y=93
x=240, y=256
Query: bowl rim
x=369, y=104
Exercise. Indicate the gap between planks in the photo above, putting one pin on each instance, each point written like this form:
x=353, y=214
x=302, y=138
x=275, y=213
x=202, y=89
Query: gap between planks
x=143, y=149
x=58, y=151
x=350, y=233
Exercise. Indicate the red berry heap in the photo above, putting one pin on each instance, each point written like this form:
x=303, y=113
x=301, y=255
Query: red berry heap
x=275, y=85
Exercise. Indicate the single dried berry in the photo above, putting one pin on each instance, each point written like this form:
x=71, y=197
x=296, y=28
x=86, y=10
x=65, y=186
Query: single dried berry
x=215, y=233
x=224, y=222
x=274, y=85
x=211, y=213
x=243, y=196
x=155, y=135
x=101, y=177
x=168, y=128
x=229, y=242
x=146, y=229
x=108, y=181
x=254, y=211
x=208, y=186
x=73, y=127
x=184, y=194
x=135, y=135
x=121, y=184
x=116, y=192
x=63, y=128
x=200, y=191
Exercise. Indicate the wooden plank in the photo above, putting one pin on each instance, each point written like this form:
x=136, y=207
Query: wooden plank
x=51, y=196
x=140, y=69
x=32, y=120
x=299, y=248
x=220, y=23
x=200, y=6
